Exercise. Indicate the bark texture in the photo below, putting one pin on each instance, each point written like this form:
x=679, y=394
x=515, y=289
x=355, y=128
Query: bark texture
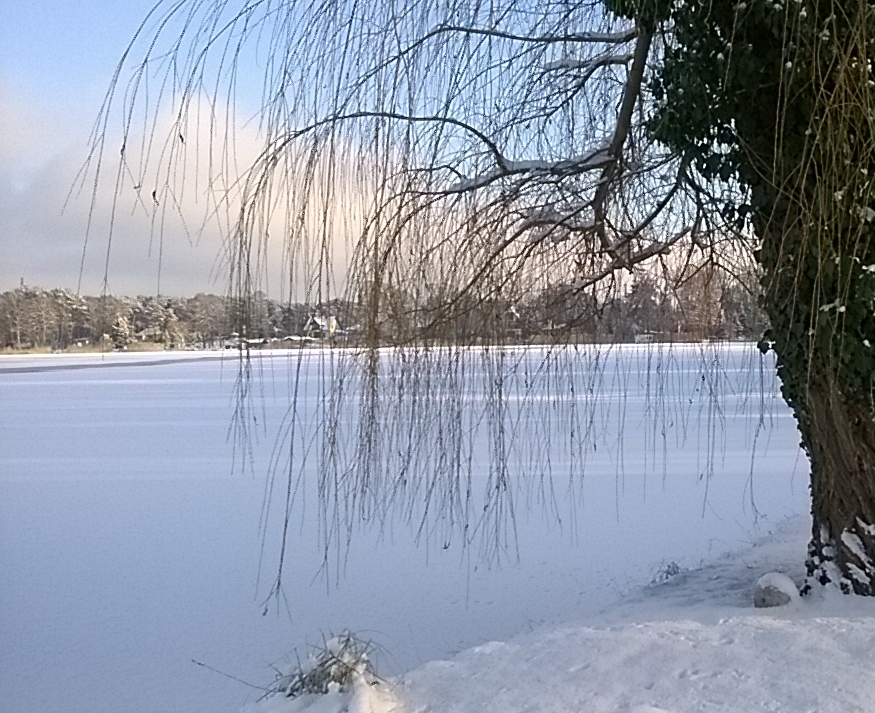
x=840, y=439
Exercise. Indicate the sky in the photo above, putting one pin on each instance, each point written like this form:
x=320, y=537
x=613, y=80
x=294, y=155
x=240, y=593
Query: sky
x=56, y=62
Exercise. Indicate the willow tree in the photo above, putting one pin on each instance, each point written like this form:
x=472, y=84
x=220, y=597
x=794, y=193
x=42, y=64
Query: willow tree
x=778, y=98
x=433, y=161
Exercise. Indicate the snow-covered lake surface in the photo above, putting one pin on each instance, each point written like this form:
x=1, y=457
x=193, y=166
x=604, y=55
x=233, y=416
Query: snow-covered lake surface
x=128, y=548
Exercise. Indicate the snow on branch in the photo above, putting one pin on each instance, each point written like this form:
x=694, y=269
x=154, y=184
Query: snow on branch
x=584, y=37
x=615, y=38
x=549, y=223
x=587, y=66
x=595, y=159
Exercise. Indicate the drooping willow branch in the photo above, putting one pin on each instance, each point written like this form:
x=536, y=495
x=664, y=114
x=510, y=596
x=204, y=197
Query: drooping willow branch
x=432, y=168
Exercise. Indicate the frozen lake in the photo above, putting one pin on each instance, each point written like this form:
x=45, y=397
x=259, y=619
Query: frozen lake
x=128, y=547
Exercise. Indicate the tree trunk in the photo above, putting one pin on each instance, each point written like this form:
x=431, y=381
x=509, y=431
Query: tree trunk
x=816, y=296
x=839, y=436
x=821, y=334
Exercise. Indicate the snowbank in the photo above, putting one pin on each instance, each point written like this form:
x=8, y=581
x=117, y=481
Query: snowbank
x=692, y=643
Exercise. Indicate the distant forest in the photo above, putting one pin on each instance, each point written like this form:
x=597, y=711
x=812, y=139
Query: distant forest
x=708, y=305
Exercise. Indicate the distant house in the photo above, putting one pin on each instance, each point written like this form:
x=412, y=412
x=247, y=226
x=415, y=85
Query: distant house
x=151, y=334
x=320, y=326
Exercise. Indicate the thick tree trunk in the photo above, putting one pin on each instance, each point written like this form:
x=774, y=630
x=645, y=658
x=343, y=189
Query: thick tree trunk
x=825, y=370
x=822, y=331
x=839, y=435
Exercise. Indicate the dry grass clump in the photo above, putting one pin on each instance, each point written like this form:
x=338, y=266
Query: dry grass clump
x=335, y=666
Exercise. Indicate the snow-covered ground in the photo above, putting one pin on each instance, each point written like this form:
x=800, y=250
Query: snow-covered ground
x=692, y=643
x=128, y=549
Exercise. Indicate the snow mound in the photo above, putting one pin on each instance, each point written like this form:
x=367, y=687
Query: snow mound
x=774, y=590
x=693, y=643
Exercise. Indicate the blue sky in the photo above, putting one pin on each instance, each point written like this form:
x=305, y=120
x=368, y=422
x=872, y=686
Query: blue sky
x=56, y=61
x=66, y=49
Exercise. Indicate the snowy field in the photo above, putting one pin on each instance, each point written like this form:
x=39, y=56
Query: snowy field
x=129, y=548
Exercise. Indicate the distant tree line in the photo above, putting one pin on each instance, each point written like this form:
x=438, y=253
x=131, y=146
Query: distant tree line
x=37, y=318
x=708, y=304
x=32, y=317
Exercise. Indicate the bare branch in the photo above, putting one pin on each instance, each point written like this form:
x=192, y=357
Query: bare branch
x=432, y=165
x=680, y=179
x=631, y=94
x=585, y=37
x=284, y=141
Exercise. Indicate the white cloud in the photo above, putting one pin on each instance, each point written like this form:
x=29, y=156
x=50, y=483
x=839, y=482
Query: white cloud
x=172, y=240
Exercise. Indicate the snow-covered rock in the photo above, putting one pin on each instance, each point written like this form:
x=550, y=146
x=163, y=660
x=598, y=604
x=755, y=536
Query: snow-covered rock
x=774, y=590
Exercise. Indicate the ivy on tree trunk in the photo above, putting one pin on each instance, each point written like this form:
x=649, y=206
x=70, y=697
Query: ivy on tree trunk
x=779, y=97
